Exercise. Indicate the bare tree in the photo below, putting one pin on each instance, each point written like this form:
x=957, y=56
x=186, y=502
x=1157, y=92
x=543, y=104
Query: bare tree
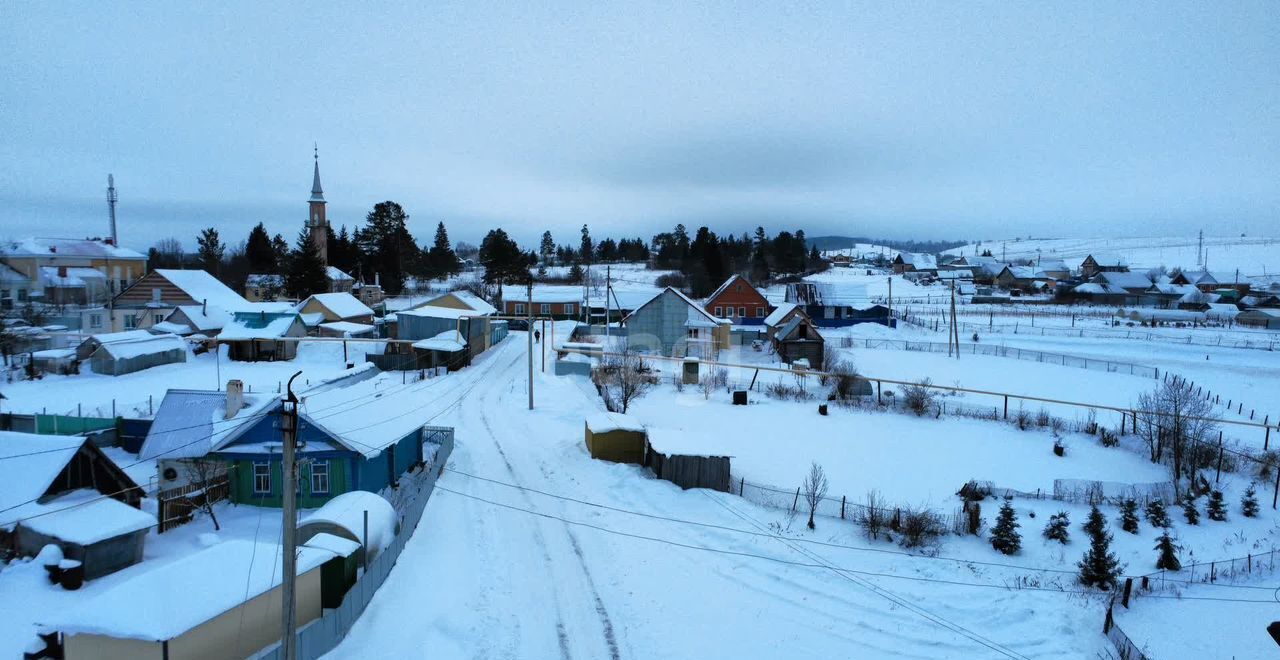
x=622, y=380
x=873, y=517
x=815, y=488
x=1173, y=419
x=918, y=397
x=205, y=474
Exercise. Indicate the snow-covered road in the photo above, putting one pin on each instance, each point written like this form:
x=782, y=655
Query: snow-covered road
x=504, y=566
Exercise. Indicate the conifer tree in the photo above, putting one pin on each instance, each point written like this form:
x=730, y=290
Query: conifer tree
x=1249, y=502
x=1129, y=515
x=1190, y=511
x=1157, y=515
x=1099, y=566
x=1216, y=509
x=306, y=273
x=1168, y=558
x=1058, y=528
x=1005, y=537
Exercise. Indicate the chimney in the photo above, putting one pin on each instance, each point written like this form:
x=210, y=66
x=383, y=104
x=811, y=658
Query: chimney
x=235, y=397
x=377, y=279
x=204, y=307
x=62, y=271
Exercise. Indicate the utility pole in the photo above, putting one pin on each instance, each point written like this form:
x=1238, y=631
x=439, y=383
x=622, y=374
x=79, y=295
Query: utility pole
x=890, y=278
x=608, y=285
x=289, y=531
x=529, y=332
x=112, y=198
x=955, y=329
x=1200, y=249
x=951, y=329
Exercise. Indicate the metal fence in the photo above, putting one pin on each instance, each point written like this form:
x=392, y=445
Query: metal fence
x=833, y=507
x=1062, y=359
x=1265, y=343
x=325, y=633
x=1124, y=646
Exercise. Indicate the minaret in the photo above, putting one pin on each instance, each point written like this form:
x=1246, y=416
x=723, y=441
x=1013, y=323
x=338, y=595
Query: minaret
x=317, y=222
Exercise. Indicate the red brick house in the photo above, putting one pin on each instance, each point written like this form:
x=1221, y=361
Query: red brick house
x=738, y=301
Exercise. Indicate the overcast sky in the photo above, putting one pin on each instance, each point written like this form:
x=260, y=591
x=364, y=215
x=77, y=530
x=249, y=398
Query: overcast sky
x=894, y=119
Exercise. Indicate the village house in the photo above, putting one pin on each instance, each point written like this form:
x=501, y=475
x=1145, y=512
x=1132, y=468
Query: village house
x=793, y=336
x=262, y=336
x=64, y=490
x=1102, y=263
x=738, y=301
x=560, y=302
x=151, y=299
x=336, y=307
x=263, y=287
x=1056, y=269
x=85, y=271
x=914, y=262
x=832, y=306
x=186, y=320
x=1259, y=318
x=339, y=281
x=673, y=324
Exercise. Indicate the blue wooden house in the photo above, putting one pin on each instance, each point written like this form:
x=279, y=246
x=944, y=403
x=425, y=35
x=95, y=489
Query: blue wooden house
x=354, y=437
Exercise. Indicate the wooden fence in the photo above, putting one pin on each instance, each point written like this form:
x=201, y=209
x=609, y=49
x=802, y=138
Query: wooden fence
x=177, y=506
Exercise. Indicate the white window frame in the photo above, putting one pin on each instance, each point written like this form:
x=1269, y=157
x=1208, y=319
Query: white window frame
x=519, y=309
x=320, y=474
x=157, y=318
x=568, y=308
x=95, y=320
x=546, y=309
x=258, y=477
x=130, y=322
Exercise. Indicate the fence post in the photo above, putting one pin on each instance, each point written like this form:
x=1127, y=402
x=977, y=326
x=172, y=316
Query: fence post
x=150, y=409
x=1277, y=493
x=1128, y=588
x=1108, y=622
x=1006, y=406
x=842, y=507
x=742, y=485
x=1218, y=476
x=797, y=500
x=878, y=399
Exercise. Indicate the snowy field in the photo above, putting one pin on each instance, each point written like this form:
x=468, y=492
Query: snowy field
x=1252, y=255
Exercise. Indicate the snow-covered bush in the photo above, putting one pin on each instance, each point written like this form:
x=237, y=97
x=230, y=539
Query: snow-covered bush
x=918, y=397
x=919, y=527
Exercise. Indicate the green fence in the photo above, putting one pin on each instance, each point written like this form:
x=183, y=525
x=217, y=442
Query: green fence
x=69, y=425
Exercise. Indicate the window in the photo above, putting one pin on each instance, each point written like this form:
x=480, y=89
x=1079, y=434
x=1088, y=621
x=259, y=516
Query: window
x=155, y=294
x=320, y=478
x=568, y=309
x=130, y=322
x=759, y=312
x=22, y=295
x=261, y=478
x=546, y=308
x=95, y=320
x=156, y=318
x=519, y=309
x=742, y=312
x=693, y=333
x=719, y=311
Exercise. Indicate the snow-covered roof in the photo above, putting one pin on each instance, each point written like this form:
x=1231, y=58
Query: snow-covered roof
x=476, y=303
x=84, y=517
x=1104, y=260
x=1053, y=264
x=8, y=274
x=312, y=319
x=343, y=305
x=173, y=328
x=347, y=511
x=1221, y=311
x=347, y=328
x=258, y=325
x=336, y=275
x=28, y=465
x=158, y=604
x=449, y=341
x=267, y=306
x=202, y=287
x=384, y=417
x=1094, y=288
x=919, y=260
x=436, y=312
x=205, y=318
x=152, y=345
x=724, y=287
x=1126, y=280
x=544, y=293
x=127, y=335
x=608, y=421
x=54, y=353
x=1199, y=296
x=191, y=423
x=775, y=317
x=697, y=317
x=338, y=545
x=67, y=247
x=73, y=278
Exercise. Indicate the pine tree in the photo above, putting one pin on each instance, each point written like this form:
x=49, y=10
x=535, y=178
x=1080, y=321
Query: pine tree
x=210, y=250
x=1168, y=559
x=1249, y=503
x=1190, y=511
x=306, y=273
x=575, y=274
x=1216, y=510
x=760, y=258
x=586, y=248
x=1099, y=566
x=388, y=247
x=1005, y=537
x=1058, y=528
x=259, y=253
x=1157, y=515
x=547, y=247
x=281, y=249
x=1129, y=516
x=441, y=260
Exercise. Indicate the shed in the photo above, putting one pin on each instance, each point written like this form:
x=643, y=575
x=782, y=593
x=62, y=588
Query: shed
x=339, y=574
x=687, y=470
x=1260, y=318
x=345, y=329
x=615, y=437
x=221, y=602
x=125, y=357
x=799, y=339
x=52, y=477
x=343, y=516
x=337, y=307
x=263, y=336
x=93, y=342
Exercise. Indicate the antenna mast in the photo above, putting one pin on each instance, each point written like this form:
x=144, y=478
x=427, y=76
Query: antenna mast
x=1200, y=249
x=111, y=208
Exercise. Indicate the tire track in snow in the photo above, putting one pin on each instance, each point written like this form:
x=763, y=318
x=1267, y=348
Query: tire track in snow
x=606, y=622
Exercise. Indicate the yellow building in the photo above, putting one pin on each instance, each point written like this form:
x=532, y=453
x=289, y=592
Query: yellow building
x=69, y=270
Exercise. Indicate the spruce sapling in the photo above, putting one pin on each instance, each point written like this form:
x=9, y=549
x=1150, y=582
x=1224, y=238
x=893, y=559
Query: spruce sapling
x=1005, y=537
x=1058, y=528
x=1190, y=511
x=1249, y=503
x=1129, y=516
x=1099, y=566
x=1216, y=510
x=1168, y=559
x=1157, y=515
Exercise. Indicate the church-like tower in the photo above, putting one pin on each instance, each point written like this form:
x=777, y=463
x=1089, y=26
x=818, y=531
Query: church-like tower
x=317, y=222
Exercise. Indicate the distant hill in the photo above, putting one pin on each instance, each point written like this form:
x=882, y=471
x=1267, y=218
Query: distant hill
x=1253, y=255
x=826, y=243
